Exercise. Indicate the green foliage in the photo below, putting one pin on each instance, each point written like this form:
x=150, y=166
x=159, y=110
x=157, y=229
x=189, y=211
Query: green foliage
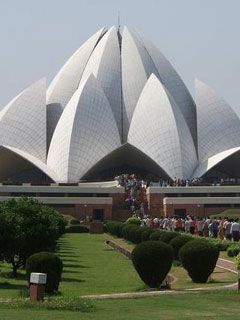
x=133, y=220
x=178, y=242
x=222, y=245
x=27, y=227
x=77, y=229
x=146, y=233
x=237, y=260
x=126, y=231
x=152, y=260
x=74, y=221
x=115, y=228
x=155, y=235
x=233, y=250
x=167, y=236
x=49, y=263
x=199, y=258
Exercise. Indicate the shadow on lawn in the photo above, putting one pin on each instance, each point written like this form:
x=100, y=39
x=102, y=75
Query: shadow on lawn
x=72, y=280
x=9, y=275
x=74, y=265
x=12, y=286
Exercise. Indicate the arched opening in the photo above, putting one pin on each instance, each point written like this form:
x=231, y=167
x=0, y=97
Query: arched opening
x=16, y=169
x=126, y=159
x=227, y=168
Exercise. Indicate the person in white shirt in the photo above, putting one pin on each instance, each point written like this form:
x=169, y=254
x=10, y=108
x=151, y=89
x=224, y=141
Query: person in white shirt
x=235, y=230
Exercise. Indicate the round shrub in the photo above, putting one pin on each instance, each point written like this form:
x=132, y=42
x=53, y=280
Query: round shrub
x=128, y=231
x=77, y=228
x=177, y=244
x=155, y=235
x=74, y=221
x=221, y=244
x=233, y=250
x=146, y=232
x=167, y=236
x=133, y=220
x=49, y=263
x=115, y=228
x=199, y=258
x=135, y=234
x=152, y=260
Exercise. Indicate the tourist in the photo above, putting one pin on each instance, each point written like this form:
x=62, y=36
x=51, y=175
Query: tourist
x=227, y=229
x=235, y=230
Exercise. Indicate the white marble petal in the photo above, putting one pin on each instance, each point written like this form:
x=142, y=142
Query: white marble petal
x=104, y=64
x=23, y=121
x=174, y=84
x=86, y=132
x=218, y=124
x=158, y=129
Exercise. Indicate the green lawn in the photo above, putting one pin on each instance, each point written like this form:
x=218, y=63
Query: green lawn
x=214, y=305
x=90, y=266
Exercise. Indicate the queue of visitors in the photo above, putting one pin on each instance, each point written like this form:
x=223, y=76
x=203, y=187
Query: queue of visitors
x=227, y=229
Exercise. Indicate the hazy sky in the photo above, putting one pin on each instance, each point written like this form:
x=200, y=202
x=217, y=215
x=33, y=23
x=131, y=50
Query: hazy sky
x=200, y=37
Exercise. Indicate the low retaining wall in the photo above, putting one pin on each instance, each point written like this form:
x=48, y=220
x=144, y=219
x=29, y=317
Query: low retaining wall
x=117, y=247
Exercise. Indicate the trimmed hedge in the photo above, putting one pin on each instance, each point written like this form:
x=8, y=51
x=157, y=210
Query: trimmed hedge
x=167, y=236
x=115, y=228
x=178, y=242
x=199, y=258
x=155, y=235
x=233, y=250
x=77, y=228
x=74, y=222
x=152, y=260
x=222, y=245
x=133, y=220
x=146, y=233
x=49, y=263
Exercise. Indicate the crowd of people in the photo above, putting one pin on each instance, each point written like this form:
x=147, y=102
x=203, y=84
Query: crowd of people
x=136, y=202
x=228, y=229
x=135, y=192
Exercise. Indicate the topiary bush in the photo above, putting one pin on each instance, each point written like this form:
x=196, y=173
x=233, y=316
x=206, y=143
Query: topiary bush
x=155, y=235
x=77, y=228
x=199, y=258
x=115, y=228
x=135, y=234
x=133, y=220
x=221, y=244
x=74, y=221
x=146, y=232
x=178, y=242
x=152, y=260
x=233, y=250
x=167, y=236
x=49, y=263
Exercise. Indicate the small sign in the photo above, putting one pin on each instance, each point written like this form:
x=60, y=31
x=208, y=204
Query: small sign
x=38, y=278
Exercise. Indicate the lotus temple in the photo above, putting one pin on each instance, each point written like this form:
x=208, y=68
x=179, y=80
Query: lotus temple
x=116, y=105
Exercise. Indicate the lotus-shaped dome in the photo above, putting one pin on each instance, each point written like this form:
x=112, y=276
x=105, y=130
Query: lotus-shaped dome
x=116, y=102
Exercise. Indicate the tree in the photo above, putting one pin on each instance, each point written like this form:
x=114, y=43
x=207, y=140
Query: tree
x=27, y=227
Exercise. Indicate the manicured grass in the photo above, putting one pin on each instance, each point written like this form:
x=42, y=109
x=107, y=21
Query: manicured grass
x=219, y=277
x=203, y=305
x=90, y=266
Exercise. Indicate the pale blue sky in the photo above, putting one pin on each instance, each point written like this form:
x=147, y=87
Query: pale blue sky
x=200, y=37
